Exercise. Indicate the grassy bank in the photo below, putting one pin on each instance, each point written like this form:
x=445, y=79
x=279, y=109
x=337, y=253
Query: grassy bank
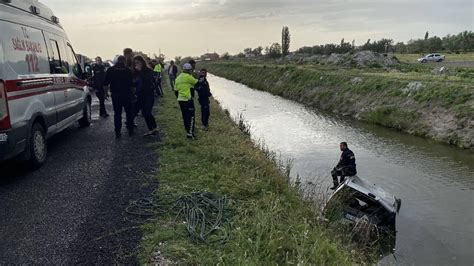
x=408, y=98
x=268, y=221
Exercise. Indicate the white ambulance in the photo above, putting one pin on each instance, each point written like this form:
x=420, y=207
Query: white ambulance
x=42, y=86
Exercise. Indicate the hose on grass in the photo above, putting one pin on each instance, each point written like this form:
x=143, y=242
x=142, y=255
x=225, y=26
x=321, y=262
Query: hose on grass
x=145, y=207
x=204, y=214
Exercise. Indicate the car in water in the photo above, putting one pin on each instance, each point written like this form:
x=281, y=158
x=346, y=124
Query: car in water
x=355, y=201
x=42, y=86
x=431, y=58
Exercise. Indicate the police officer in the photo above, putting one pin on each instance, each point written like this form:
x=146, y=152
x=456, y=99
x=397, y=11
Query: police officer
x=345, y=167
x=185, y=83
x=120, y=79
x=204, y=93
x=158, y=71
x=98, y=77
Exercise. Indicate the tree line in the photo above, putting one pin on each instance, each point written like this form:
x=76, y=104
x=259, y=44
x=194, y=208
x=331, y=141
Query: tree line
x=461, y=42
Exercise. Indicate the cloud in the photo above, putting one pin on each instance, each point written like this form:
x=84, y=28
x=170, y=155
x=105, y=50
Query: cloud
x=230, y=25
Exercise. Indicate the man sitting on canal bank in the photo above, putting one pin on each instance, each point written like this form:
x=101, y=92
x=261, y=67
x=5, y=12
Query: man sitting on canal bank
x=345, y=167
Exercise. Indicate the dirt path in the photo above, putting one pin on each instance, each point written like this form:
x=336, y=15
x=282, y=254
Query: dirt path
x=72, y=210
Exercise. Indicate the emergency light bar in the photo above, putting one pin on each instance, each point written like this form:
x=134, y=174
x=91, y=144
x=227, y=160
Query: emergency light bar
x=35, y=10
x=55, y=19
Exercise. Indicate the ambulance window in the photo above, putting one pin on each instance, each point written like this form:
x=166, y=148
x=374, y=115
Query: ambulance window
x=54, y=60
x=71, y=56
x=63, y=57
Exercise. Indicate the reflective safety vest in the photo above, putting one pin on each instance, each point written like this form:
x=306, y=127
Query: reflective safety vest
x=158, y=68
x=184, y=83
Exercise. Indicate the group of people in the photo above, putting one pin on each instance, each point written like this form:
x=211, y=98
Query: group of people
x=134, y=83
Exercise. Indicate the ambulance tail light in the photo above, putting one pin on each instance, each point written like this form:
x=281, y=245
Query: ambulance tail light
x=4, y=115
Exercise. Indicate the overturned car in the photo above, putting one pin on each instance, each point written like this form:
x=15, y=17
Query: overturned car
x=355, y=201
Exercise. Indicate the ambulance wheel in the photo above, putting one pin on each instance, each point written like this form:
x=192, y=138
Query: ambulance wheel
x=86, y=119
x=37, y=149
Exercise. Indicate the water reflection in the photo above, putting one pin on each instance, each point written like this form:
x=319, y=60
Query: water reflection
x=435, y=181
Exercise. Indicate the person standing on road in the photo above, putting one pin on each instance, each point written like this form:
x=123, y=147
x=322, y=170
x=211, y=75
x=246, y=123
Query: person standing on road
x=98, y=76
x=172, y=73
x=185, y=82
x=345, y=167
x=158, y=77
x=128, y=54
x=119, y=78
x=204, y=93
x=144, y=90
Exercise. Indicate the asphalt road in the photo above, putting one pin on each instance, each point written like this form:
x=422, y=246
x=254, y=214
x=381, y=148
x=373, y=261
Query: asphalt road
x=72, y=210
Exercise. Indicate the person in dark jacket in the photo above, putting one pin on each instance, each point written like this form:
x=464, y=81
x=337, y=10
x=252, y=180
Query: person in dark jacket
x=204, y=93
x=119, y=78
x=128, y=53
x=144, y=85
x=345, y=167
x=98, y=76
x=172, y=73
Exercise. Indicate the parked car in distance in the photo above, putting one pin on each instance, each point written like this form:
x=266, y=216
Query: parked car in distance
x=431, y=58
x=42, y=86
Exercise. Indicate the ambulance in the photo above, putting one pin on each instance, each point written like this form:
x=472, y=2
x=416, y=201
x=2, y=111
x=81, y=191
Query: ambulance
x=42, y=86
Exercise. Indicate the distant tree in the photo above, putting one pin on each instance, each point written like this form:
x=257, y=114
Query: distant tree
x=344, y=47
x=467, y=41
x=434, y=44
x=258, y=51
x=273, y=51
x=248, y=50
x=285, y=41
x=225, y=56
x=400, y=47
x=427, y=35
x=240, y=55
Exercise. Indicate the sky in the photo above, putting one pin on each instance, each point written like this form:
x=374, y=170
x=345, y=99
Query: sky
x=194, y=27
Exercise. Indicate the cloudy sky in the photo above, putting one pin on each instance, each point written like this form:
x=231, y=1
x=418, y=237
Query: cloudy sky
x=192, y=27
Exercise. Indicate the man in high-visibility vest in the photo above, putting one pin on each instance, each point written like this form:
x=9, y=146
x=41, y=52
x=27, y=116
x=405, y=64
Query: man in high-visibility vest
x=185, y=83
x=158, y=71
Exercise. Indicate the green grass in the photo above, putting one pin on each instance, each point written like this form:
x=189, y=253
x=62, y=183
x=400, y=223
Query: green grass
x=270, y=222
x=390, y=116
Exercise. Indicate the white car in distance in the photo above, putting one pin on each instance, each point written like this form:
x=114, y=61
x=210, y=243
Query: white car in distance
x=431, y=58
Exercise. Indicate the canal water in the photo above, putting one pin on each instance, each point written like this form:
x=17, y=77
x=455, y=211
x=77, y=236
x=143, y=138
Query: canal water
x=435, y=181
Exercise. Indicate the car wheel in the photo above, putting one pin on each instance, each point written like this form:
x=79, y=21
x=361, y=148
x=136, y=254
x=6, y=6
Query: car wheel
x=37, y=149
x=423, y=61
x=86, y=119
x=440, y=60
